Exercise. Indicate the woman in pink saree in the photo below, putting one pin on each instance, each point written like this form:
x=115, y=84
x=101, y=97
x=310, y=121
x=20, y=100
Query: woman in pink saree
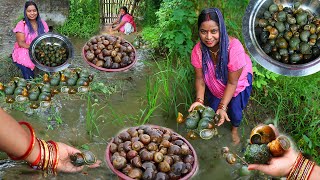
x=125, y=22
x=26, y=31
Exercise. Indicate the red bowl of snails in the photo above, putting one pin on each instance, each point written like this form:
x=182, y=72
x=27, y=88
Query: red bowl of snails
x=109, y=53
x=150, y=152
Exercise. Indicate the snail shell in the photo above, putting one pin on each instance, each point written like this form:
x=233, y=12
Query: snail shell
x=262, y=134
x=231, y=158
x=278, y=146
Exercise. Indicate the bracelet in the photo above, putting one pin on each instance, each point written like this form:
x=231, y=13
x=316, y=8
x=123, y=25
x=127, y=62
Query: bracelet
x=31, y=145
x=36, y=162
x=200, y=100
x=301, y=169
x=222, y=106
x=56, y=159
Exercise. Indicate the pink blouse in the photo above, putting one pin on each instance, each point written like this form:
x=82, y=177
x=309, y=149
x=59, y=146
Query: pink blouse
x=129, y=19
x=237, y=59
x=21, y=55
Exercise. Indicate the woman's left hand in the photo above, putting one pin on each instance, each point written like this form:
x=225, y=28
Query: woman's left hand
x=65, y=164
x=223, y=116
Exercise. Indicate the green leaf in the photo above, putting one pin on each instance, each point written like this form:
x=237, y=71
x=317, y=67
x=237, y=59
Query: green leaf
x=179, y=38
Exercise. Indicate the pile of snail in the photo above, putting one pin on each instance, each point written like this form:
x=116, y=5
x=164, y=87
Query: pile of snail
x=139, y=42
x=148, y=152
x=40, y=94
x=264, y=145
x=109, y=52
x=83, y=158
x=50, y=54
x=290, y=35
x=200, y=122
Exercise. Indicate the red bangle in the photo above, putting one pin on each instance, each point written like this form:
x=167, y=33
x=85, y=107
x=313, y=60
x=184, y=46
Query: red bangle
x=36, y=162
x=200, y=100
x=56, y=161
x=31, y=145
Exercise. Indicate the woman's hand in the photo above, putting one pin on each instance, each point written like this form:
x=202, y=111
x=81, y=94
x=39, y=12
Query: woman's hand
x=195, y=104
x=223, y=116
x=278, y=166
x=65, y=164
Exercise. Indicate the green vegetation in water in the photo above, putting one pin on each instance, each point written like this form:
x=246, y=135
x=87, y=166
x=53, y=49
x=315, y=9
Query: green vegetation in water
x=93, y=113
x=83, y=19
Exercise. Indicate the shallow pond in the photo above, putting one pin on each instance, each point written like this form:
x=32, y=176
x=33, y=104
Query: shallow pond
x=118, y=110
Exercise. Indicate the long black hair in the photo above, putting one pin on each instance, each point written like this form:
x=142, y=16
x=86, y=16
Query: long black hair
x=221, y=70
x=125, y=10
x=38, y=19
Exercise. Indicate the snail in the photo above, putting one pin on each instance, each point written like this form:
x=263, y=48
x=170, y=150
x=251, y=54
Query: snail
x=278, y=146
x=87, y=158
x=231, y=158
x=262, y=134
x=180, y=118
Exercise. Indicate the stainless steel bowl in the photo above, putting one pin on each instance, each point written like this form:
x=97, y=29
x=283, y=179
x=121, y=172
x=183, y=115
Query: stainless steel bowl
x=254, y=10
x=51, y=38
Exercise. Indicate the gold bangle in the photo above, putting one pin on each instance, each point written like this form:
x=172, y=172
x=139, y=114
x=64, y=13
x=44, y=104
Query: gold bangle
x=46, y=155
x=200, y=100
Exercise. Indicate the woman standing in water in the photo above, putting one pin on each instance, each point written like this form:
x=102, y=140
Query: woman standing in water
x=26, y=31
x=223, y=71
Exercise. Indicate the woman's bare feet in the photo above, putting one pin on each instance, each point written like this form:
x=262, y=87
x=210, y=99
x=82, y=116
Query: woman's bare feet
x=235, y=136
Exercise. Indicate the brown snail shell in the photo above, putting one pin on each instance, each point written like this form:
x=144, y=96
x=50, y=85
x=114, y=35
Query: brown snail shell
x=121, y=147
x=188, y=159
x=136, y=161
x=176, y=158
x=114, y=155
x=137, y=145
x=174, y=149
x=231, y=158
x=180, y=118
x=119, y=162
x=147, y=165
x=156, y=137
x=192, y=135
x=128, y=168
x=123, y=153
x=162, y=176
x=127, y=146
x=132, y=154
x=165, y=143
x=133, y=132
x=225, y=150
x=113, y=148
x=262, y=134
x=117, y=140
x=149, y=174
x=134, y=139
x=178, y=167
x=164, y=166
x=125, y=136
x=166, y=136
x=158, y=157
x=46, y=78
x=145, y=138
x=164, y=150
x=185, y=150
x=146, y=155
x=278, y=146
x=135, y=173
x=152, y=146
x=188, y=168
x=178, y=142
x=168, y=159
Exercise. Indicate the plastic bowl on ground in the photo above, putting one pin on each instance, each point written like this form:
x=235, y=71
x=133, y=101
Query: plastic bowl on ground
x=122, y=176
x=254, y=11
x=102, y=59
x=51, y=45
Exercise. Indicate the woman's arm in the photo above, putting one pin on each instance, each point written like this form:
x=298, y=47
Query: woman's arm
x=118, y=26
x=231, y=87
x=21, y=40
x=200, y=87
x=15, y=140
